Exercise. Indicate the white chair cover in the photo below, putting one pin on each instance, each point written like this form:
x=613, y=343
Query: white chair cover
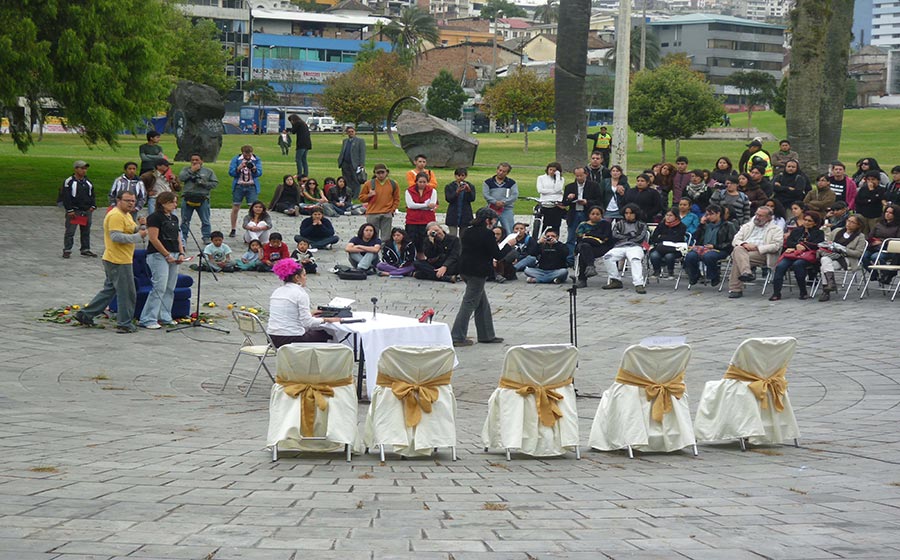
x=313, y=363
x=512, y=421
x=386, y=419
x=623, y=416
x=729, y=410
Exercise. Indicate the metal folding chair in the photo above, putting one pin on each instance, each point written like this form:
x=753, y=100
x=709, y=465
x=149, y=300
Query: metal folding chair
x=250, y=325
x=889, y=247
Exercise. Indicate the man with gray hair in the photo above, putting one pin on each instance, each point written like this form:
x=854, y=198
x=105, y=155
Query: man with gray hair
x=757, y=238
x=441, y=255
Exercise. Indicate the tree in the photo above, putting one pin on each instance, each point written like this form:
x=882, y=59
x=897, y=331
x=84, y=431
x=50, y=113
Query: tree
x=671, y=102
x=676, y=59
x=548, y=13
x=834, y=89
x=780, y=99
x=809, y=22
x=651, y=52
x=521, y=96
x=492, y=8
x=410, y=31
x=598, y=91
x=569, y=90
x=197, y=54
x=367, y=91
x=756, y=87
x=445, y=97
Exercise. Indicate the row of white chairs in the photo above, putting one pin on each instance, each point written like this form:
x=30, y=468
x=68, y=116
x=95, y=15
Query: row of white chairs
x=313, y=404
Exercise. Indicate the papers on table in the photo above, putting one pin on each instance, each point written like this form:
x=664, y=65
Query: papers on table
x=340, y=302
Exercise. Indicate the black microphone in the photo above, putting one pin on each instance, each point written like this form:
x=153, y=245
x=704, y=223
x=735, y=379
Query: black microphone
x=374, y=306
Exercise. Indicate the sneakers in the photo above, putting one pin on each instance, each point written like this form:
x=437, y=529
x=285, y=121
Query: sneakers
x=460, y=343
x=590, y=271
x=67, y=254
x=531, y=280
x=328, y=247
x=83, y=319
x=735, y=295
x=152, y=326
x=88, y=253
x=613, y=285
x=232, y=233
x=495, y=340
x=640, y=289
x=499, y=278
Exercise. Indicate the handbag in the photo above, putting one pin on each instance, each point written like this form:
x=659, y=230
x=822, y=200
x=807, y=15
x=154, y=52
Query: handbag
x=808, y=255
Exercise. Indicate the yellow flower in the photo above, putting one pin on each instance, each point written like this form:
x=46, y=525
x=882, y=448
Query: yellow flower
x=230, y=306
x=243, y=308
x=65, y=311
x=211, y=304
x=76, y=307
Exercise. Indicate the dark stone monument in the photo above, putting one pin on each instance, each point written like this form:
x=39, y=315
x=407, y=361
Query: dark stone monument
x=195, y=117
x=442, y=143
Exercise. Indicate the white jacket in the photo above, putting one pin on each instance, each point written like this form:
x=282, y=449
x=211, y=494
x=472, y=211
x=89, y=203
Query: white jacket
x=773, y=237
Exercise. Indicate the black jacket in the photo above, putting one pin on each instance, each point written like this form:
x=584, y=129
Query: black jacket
x=723, y=238
x=479, y=249
x=648, y=200
x=459, y=212
x=552, y=256
x=606, y=193
x=78, y=194
x=592, y=195
x=664, y=233
x=868, y=202
x=444, y=252
x=790, y=187
x=810, y=239
x=304, y=140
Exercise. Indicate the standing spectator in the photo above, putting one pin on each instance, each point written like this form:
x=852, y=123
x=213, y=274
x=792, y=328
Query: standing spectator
x=724, y=169
x=681, y=179
x=647, y=200
x=870, y=199
x=382, y=195
x=246, y=169
x=158, y=181
x=318, y=230
x=550, y=192
x=821, y=197
x=501, y=193
x=420, y=162
x=628, y=236
x=784, y=155
x=698, y=191
x=479, y=249
x=165, y=251
x=865, y=165
x=755, y=156
x=460, y=194
x=421, y=200
x=304, y=144
x=284, y=141
x=352, y=160
x=198, y=181
x=596, y=171
x=151, y=153
x=733, y=199
x=78, y=198
x=892, y=191
x=129, y=181
x=603, y=144
x=579, y=196
x=791, y=184
x=120, y=233
x=843, y=187
x=757, y=178
x=612, y=193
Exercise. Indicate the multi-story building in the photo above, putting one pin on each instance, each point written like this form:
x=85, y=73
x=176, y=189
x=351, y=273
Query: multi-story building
x=719, y=45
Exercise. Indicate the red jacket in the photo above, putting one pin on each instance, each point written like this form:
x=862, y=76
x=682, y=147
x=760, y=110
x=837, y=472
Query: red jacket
x=269, y=251
x=419, y=216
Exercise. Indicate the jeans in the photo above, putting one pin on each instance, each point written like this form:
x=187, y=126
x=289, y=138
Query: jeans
x=525, y=262
x=578, y=216
x=710, y=259
x=69, y=237
x=799, y=268
x=119, y=283
x=474, y=301
x=547, y=276
x=151, y=205
x=507, y=219
x=322, y=243
x=302, y=165
x=657, y=258
x=159, y=301
x=187, y=212
x=363, y=261
x=634, y=254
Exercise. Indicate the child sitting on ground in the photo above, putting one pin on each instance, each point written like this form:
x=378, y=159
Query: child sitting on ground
x=251, y=259
x=303, y=256
x=216, y=255
x=273, y=251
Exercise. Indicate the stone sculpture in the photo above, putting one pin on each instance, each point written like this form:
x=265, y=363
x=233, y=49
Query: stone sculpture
x=442, y=143
x=196, y=119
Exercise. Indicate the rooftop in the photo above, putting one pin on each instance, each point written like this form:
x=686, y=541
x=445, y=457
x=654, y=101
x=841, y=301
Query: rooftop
x=689, y=19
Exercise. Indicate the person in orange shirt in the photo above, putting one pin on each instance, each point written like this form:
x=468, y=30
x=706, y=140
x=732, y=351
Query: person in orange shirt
x=421, y=161
x=382, y=197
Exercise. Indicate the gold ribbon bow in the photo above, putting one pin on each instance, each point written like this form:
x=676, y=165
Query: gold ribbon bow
x=416, y=397
x=313, y=395
x=775, y=384
x=657, y=392
x=545, y=398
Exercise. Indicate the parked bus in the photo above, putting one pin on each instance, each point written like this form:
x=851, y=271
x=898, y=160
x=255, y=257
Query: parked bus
x=271, y=119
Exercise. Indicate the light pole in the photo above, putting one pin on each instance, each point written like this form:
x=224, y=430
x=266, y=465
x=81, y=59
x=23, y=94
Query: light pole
x=639, y=140
x=623, y=69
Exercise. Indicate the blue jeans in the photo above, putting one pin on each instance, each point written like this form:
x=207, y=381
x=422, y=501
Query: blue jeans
x=525, y=262
x=657, y=259
x=799, y=268
x=710, y=259
x=159, y=301
x=187, y=212
x=321, y=243
x=302, y=165
x=151, y=205
x=507, y=219
x=363, y=261
x=547, y=276
x=578, y=216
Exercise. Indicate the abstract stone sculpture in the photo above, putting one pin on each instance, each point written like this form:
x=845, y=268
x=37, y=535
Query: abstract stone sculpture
x=442, y=143
x=196, y=118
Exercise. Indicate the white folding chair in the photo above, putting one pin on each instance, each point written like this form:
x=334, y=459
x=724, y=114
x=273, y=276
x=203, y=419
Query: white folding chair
x=533, y=410
x=768, y=273
x=250, y=326
x=889, y=247
x=313, y=402
x=750, y=403
x=646, y=408
x=855, y=269
x=413, y=408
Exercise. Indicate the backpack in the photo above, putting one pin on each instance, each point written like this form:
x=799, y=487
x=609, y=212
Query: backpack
x=344, y=272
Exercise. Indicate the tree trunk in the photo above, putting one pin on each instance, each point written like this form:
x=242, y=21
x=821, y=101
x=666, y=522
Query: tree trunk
x=526, y=137
x=374, y=138
x=834, y=89
x=677, y=147
x=810, y=20
x=571, y=64
x=749, y=118
x=662, y=142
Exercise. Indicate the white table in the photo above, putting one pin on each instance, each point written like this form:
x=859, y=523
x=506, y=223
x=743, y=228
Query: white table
x=369, y=339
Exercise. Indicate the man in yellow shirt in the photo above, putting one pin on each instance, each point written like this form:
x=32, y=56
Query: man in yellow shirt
x=120, y=233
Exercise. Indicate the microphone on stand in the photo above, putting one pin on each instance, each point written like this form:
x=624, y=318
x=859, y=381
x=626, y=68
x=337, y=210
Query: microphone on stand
x=374, y=307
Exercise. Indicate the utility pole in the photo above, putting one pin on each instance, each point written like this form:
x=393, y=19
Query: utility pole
x=620, y=102
x=639, y=139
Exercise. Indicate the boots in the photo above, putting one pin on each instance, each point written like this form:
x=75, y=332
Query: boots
x=830, y=286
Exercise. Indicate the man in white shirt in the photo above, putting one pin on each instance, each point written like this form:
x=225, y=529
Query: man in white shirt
x=757, y=238
x=289, y=317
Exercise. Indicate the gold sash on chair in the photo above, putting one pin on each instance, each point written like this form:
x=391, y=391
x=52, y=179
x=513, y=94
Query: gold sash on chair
x=545, y=398
x=313, y=395
x=657, y=392
x=775, y=384
x=416, y=397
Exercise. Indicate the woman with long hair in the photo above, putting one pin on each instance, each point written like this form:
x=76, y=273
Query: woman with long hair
x=799, y=252
x=398, y=255
x=165, y=251
x=421, y=200
x=257, y=223
x=287, y=197
x=724, y=169
x=550, y=192
x=848, y=243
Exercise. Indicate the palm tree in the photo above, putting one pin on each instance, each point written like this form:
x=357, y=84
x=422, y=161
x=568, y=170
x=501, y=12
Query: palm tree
x=410, y=31
x=548, y=13
x=651, y=53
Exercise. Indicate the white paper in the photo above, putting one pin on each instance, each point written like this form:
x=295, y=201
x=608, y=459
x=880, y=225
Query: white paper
x=664, y=341
x=340, y=302
x=506, y=241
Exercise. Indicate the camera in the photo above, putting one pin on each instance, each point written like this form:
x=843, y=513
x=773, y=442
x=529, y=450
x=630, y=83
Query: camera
x=432, y=234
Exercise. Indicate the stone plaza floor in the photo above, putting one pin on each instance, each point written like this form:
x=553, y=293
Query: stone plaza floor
x=123, y=446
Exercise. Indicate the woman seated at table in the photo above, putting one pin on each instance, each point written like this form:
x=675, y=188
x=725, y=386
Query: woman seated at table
x=289, y=317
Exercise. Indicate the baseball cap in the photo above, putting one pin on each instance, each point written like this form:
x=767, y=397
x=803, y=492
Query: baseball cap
x=756, y=143
x=80, y=163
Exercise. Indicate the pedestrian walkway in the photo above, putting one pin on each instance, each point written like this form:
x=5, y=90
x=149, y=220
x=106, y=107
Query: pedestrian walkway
x=121, y=446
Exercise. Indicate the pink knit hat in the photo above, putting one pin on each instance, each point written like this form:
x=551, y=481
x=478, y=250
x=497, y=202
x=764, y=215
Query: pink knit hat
x=285, y=268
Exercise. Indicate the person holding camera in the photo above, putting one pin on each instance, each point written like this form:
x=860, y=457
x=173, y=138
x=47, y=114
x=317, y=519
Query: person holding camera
x=441, y=256
x=551, y=260
x=197, y=182
x=246, y=169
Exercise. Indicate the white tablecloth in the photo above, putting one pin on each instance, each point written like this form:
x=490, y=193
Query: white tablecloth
x=388, y=330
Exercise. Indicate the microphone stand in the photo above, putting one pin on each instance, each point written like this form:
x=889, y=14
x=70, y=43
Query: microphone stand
x=374, y=307
x=195, y=321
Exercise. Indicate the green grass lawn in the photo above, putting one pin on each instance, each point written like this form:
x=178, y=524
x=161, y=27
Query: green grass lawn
x=33, y=178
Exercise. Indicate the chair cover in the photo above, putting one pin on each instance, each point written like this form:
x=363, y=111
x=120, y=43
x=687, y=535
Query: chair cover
x=730, y=410
x=315, y=364
x=513, y=421
x=387, y=422
x=623, y=417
